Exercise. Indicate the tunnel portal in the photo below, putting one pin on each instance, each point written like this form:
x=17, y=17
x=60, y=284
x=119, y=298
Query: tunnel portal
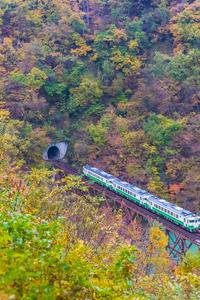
x=53, y=152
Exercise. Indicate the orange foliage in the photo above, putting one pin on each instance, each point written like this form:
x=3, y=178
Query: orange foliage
x=174, y=190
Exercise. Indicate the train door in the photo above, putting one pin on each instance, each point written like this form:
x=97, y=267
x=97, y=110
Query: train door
x=196, y=223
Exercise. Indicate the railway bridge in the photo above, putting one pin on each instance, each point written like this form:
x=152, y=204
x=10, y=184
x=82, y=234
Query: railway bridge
x=180, y=240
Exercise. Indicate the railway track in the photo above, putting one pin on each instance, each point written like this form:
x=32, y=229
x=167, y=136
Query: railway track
x=193, y=237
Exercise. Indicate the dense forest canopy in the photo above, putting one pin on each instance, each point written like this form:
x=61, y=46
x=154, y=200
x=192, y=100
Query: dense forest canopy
x=118, y=80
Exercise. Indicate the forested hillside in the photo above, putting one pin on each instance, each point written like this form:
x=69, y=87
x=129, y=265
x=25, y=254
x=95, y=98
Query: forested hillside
x=119, y=80
x=57, y=242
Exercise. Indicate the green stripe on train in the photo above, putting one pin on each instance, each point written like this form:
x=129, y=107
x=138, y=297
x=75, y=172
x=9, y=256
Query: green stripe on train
x=127, y=196
x=173, y=219
x=169, y=217
x=95, y=179
x=136, y=200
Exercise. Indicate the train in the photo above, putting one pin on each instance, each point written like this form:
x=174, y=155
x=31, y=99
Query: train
x=172, y=212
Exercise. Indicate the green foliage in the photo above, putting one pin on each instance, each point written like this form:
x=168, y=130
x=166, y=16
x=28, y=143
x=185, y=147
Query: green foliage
x=98, y=134
x=35, y=79
x=87, y=93
x=179, y=68
x=135, y=29
x=55, y=88
x=159, y=130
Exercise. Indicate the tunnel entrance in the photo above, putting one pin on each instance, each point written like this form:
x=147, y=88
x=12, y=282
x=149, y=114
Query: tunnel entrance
x=53, y=153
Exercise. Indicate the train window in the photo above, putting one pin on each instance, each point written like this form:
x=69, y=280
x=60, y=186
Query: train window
x=134, y=195
x=140, y=198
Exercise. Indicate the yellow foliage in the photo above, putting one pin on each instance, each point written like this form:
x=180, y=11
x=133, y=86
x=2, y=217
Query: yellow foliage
x=119, y=34
x=4, y=296
x=7, y=41
x=132, y=45
x=83, y=48
x=4, y=114
x=127, y=63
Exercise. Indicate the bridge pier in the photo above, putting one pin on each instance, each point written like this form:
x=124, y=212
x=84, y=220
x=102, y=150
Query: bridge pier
x=177, y=246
